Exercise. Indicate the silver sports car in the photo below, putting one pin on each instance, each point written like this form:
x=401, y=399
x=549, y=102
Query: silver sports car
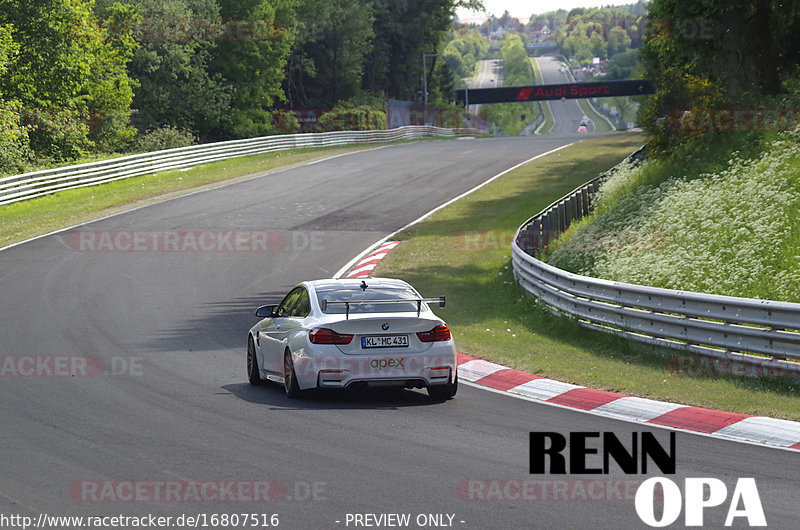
x=353, y=333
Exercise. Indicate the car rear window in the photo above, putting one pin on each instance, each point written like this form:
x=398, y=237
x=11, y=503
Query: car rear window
x=372, y=293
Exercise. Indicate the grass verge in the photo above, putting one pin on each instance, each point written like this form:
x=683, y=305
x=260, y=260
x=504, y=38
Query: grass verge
x=26, y=219
x=463, y=252
x=549, y=121
x=600, y=123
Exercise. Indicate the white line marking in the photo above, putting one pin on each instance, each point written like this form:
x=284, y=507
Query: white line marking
x=602, y=415
x=761, y=429
x=189, y=195
x=544, y=389
x=372, y=247
x=477, y=369
x=636, y=408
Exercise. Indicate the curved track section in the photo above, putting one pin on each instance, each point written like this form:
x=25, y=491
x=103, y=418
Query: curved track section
x=169, y=328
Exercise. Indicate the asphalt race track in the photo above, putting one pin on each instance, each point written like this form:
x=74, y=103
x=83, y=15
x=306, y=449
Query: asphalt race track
x=567, y=112
x=490, y=75
x=171, y=326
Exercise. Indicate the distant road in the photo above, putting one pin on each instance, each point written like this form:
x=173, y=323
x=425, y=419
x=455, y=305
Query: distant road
x=567, y=112
x=490, y=75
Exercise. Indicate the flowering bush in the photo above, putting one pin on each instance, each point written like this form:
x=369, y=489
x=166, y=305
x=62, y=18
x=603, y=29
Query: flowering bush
x=733, y=232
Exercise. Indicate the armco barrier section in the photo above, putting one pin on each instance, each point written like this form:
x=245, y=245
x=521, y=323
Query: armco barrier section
x=757, y=333
x=37, y=183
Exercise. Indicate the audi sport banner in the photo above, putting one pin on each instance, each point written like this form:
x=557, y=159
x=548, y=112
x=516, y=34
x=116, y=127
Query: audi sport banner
x=631, y=87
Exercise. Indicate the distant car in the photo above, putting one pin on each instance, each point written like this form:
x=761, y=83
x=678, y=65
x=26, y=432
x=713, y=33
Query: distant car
x=491, y=80
x=582, y=129
x=352, y=333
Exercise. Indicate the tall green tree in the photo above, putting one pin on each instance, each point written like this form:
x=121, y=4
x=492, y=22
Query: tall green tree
x=404, y=30
x=68, y=67
x=736, y=53
x=109, y=89
x=171, y=66
x=14, y=143
x=252, y=63
x=327, y=62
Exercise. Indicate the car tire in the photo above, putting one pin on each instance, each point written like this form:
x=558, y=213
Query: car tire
x=289, y=377
x=253, y=373
x=444, y=392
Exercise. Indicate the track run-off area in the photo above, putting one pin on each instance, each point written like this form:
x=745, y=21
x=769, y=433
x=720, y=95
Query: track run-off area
x=160, y=407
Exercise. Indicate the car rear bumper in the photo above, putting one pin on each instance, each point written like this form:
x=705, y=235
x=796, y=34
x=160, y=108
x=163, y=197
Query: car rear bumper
x=435, y=367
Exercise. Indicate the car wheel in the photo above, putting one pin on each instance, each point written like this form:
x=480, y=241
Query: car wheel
x=289, y=377
x=446, y=391
x=253, y=374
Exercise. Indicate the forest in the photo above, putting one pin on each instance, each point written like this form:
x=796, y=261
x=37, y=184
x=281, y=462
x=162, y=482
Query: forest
x=84, y=77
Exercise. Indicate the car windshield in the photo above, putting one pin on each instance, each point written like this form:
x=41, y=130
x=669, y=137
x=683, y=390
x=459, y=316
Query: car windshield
x=406, y=300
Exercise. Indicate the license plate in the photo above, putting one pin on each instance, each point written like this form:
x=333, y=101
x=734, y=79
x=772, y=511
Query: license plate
x=385, y=341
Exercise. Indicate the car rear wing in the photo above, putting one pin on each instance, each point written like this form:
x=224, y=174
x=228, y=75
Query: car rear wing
x=440, y=300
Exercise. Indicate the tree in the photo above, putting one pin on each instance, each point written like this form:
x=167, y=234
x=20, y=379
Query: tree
x=744, y=57
x=253, y=63
x=109, y=88
x=404, y=30
x=327, y=62
x=171, y=67
x=68, y=68
x=14, y=143
x=618, y=41
x=622, y=65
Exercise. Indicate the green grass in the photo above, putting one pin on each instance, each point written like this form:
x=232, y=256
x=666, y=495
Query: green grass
x=462, y=252
x=631, y=108
x=508, y=116
x=537, y=74
x=26, y=219
x=50, y=164
x=695, y=230
x=600, y=123
x=549, y=121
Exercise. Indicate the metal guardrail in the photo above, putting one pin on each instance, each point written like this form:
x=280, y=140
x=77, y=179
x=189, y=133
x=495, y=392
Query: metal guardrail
x=37, y=183
x=760, y=333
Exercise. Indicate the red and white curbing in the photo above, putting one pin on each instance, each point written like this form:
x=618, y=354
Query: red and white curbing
x=365, y=266
x=730, y=425
x=741, y=427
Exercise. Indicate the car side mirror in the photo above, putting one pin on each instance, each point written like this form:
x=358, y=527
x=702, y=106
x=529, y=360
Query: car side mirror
x=266, y=311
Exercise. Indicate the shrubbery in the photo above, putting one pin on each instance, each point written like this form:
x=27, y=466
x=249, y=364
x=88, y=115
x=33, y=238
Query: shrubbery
x=734, y=231
x=163, y=138
x=352, y=119
x=517, y=71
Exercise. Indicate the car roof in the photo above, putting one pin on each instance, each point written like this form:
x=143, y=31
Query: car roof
x=346, y=284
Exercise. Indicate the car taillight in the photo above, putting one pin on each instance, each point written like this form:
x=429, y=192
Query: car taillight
x=328, y=336
x=438, y=333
